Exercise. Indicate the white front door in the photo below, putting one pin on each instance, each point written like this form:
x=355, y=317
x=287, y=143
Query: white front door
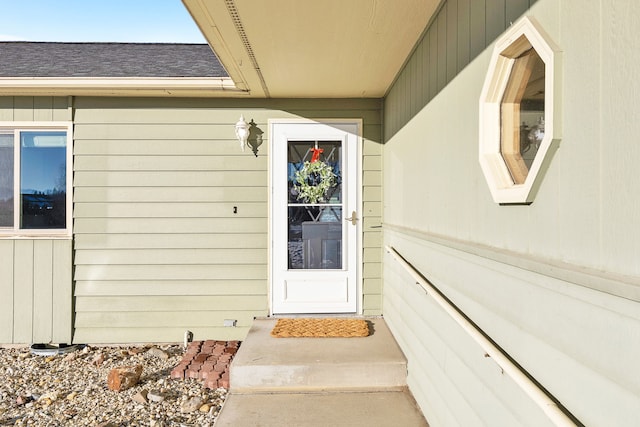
x=314, y=254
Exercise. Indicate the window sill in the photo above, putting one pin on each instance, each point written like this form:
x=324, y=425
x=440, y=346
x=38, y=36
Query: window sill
x=36, y=236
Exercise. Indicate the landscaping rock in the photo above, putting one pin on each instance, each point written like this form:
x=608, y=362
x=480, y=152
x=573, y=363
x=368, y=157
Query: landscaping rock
x=156, y=396
x=141, y=396
x=23, y=400
x=73, y=392
x=159, y=353
x=97, y=360
x=124, y=377
x=192, y=404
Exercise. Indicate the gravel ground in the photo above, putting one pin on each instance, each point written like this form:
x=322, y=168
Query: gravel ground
x=71, y=389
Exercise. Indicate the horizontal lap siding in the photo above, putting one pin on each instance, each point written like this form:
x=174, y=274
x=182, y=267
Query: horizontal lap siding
x=546, y=325
x=372, y=231
x=159, y=248
x=453, y=381
x=156, y=236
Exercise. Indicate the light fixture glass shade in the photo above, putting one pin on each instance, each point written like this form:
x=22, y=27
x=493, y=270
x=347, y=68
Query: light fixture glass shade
x=242, y=132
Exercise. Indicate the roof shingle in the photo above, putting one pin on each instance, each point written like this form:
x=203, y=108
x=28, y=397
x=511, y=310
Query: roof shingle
x=110, y=60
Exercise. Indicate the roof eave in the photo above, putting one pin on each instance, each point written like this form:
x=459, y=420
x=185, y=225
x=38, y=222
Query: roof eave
x=298, y=49
x=170, y=86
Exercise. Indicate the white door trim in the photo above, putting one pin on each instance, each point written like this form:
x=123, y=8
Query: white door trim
x=359, y=202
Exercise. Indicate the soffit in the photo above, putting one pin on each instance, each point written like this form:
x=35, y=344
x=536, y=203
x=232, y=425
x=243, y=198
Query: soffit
x=327, y=48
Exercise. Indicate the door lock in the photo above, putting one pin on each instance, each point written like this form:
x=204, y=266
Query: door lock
x=353, y=218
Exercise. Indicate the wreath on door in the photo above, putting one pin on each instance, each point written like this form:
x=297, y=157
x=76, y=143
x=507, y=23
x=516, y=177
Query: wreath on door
x=314, y=179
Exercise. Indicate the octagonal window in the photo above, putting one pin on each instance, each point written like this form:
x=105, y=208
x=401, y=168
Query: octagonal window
x=517, y=113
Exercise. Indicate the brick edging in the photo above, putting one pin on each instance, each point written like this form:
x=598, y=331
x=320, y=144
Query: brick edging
x=208, y=361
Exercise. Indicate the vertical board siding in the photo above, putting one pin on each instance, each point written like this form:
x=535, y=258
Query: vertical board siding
x=6, y=291
x=460, y=31
x=23, y=297
x=495, y=19
x=42, y=290
x=158, y=246
x=34, y=109
x=477, y=27
x=441, y=52
x=463, y=38
x=35, y=274
x=452, y=39
x=35, y=285
x=62, y=292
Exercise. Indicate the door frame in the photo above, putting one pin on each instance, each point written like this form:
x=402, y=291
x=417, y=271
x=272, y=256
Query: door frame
x=359, y=202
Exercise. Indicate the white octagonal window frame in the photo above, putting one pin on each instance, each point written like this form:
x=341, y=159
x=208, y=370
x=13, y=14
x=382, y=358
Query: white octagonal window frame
x=508, y=47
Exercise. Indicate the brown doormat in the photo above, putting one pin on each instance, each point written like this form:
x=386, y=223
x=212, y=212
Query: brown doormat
x=320, y=328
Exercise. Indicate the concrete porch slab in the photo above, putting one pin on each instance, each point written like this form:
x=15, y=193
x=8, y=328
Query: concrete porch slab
x=335, y=409
x=265, y=363
x=306, y=382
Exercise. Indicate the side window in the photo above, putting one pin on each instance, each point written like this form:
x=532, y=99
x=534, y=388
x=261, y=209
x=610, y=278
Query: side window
x=34, y=193
x=519, y=112
x=6, y=179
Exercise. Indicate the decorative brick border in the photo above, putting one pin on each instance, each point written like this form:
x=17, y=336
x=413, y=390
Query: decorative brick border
x=208, y=361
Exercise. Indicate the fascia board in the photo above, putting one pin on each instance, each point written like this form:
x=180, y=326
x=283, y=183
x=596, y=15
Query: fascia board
x=215, y=23
x=141, y=83
x=189, y=87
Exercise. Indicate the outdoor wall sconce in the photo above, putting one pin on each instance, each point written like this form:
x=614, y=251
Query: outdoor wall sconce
x=242, y=132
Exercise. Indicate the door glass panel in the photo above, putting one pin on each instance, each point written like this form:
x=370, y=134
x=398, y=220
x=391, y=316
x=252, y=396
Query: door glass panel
x=315, y=205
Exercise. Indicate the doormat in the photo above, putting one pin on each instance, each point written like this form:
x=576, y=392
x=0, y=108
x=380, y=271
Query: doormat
x=320, y=328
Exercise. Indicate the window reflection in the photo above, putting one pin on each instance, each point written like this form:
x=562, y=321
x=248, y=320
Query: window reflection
x=43, y=178
x=300, y=152
x=315, y=229
x=6, y=179
x=522, y=114
x=315, y=237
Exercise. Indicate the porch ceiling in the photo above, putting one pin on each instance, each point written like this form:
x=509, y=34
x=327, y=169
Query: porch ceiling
x=314, y=49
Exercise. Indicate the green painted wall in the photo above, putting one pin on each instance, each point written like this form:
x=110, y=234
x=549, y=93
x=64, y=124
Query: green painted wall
x=158, y=249
x=35, y=274
x=35, y=109
x=556, y=283
x=35, y=284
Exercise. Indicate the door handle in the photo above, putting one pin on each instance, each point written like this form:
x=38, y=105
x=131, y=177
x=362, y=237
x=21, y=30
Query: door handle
x=353, y=218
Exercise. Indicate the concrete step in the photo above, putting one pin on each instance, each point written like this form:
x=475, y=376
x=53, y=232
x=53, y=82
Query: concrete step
x=268, y=364
x=313, y=382
x=335, y=409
